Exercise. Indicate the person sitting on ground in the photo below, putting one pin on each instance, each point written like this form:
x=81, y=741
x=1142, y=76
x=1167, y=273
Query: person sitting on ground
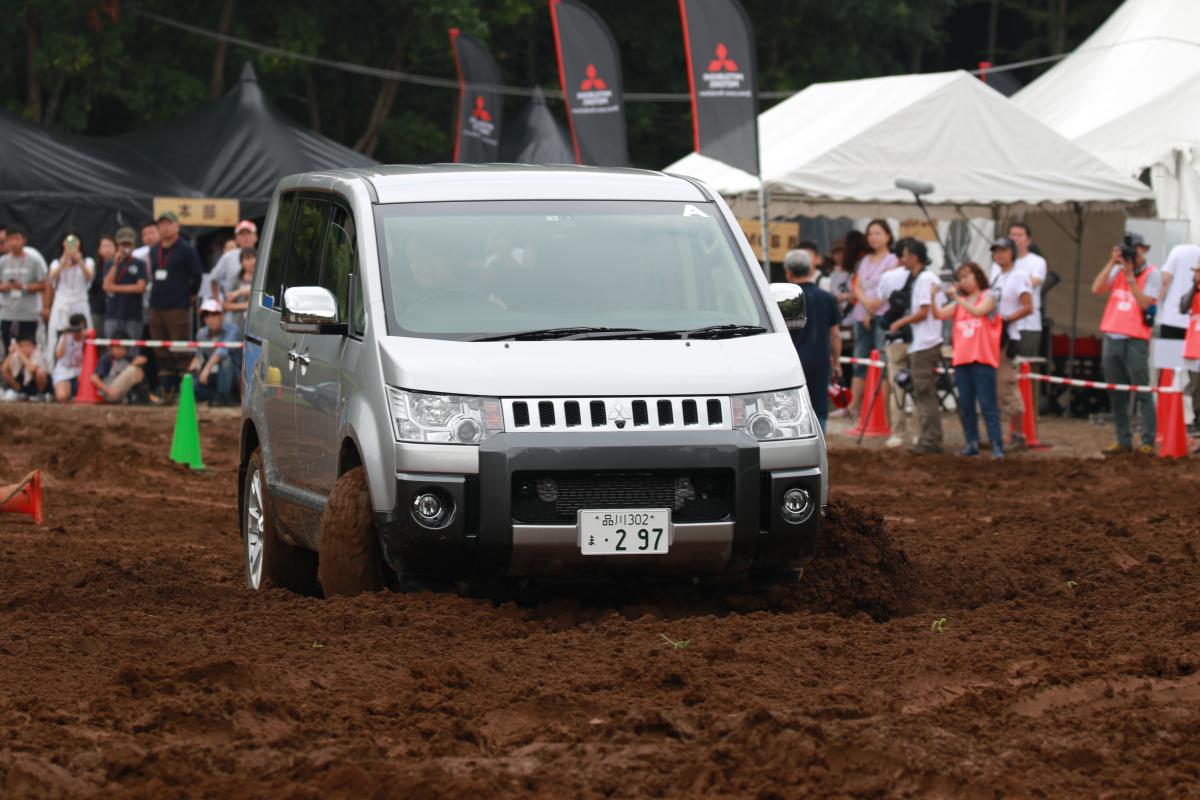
x=24, y=371
x=119, y=371
x=237, y=301
x=214, y=369
x=976, y=338
x=68, y=358
x=924, y=347
x=1132, y=287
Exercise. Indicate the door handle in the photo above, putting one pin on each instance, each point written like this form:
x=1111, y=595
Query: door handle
x=303, y=359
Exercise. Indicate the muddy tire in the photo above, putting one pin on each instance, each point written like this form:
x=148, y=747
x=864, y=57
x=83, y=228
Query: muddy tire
x=269, y=561
x=350, y=561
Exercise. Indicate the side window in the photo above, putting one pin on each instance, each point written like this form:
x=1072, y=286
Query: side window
x=340, y=259
x=272, y=285
x=308, y=241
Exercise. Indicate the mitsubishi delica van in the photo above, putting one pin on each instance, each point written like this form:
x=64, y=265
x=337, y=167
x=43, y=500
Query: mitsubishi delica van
x=461, y=373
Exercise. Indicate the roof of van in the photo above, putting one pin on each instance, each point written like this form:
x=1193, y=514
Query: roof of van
x=460, y=182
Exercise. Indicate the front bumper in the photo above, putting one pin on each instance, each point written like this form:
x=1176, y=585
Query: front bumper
x=484, y=539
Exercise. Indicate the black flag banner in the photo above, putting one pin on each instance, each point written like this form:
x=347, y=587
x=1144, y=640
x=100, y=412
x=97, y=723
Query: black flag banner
x=589, y=67
x=480, y=106
x=719, y=42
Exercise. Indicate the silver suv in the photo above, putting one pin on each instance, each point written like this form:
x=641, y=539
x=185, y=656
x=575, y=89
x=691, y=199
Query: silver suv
x=465, y=373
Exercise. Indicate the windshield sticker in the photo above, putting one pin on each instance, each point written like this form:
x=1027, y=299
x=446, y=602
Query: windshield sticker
x=691, y=211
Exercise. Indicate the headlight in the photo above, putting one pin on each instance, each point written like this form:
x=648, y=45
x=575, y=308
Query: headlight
x=445, y=418
x=785, y=414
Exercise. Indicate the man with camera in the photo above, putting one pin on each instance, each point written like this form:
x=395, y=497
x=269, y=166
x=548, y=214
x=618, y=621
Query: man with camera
x=1014, y=300
x=818, y=344
x=910, y=316
x=1132, y=287
x=894, y=290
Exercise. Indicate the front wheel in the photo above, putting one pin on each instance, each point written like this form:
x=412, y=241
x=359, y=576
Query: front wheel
x=270, y=561
x=350, y=561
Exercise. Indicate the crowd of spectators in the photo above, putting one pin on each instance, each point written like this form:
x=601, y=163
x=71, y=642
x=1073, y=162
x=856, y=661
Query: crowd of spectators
x=876, y=294
x=135, y=285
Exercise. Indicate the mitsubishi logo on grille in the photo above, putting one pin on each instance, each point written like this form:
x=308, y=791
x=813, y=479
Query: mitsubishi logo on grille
x=618, y=416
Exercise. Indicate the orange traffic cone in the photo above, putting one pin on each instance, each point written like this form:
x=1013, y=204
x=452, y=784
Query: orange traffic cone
x=1028, y=410
x=873, y=421
x=86, y=394
x=24, y=497
x=1174, y=442
x=1166, y=405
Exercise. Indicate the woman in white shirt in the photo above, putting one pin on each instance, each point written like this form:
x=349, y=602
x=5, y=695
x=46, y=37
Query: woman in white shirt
x=70, y=276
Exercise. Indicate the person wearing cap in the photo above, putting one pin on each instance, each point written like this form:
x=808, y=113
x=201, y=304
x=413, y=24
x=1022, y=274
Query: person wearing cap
x=924, y=346
x=1014, y=301
x=818, y=343
x=125, y=279
x=214, y=369
x=1132, y=286
x=176, y=273
x=227, y=274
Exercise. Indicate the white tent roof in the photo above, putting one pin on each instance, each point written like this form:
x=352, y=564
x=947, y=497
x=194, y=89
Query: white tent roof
x=1131, y=95
x=848, y=142
x=1130, y=91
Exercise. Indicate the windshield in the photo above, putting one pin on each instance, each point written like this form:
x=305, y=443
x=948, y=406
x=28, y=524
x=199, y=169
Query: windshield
x=488, y=269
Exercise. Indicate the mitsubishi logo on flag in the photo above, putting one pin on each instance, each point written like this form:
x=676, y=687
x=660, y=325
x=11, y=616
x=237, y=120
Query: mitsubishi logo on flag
x=722, y=61
x=589, y=71
x=481, y=111
x=591, y=81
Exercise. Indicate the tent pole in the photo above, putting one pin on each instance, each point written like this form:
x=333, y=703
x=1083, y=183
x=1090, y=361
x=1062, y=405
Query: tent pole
x=764, y=237
x=1079, y=219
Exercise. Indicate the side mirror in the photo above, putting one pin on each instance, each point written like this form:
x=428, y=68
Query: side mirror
x=311, y=309
x=790, y=298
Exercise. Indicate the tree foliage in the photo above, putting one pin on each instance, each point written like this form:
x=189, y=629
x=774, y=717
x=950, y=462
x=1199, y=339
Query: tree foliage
x=97, y=66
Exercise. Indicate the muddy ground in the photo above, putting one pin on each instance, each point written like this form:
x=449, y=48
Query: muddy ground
x=1024, y=629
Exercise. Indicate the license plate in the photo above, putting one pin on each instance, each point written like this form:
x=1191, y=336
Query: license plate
x=626, y=531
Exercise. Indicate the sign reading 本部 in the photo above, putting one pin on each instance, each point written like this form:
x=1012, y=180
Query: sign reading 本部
x=203, y=212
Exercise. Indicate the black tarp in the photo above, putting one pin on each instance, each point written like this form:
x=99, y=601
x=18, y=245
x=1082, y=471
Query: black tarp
x=536, y=137
x=239, y=146
x=54, y=183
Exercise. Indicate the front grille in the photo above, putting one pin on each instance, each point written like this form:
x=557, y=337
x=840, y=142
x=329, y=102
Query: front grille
x=700, y=495
x=617, y=414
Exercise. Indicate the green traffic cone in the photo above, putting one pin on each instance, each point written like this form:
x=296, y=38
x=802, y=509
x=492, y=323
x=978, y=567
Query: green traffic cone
x=185, y=446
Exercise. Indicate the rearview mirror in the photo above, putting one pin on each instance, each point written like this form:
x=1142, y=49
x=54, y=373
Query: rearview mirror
x=790, y=298
x=311, y=309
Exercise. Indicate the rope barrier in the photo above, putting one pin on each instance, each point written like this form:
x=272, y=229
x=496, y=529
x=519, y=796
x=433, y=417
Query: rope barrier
x=1035, y=376
x=167, y=343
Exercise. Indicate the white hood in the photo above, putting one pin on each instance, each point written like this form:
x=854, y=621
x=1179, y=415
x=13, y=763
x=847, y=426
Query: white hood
x=622, y=367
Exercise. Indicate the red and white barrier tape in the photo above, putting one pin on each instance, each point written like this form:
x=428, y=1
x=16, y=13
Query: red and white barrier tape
x=1037, y=376
x=166, y=343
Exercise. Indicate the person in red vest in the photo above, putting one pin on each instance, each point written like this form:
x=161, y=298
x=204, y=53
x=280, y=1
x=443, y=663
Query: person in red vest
x=977, y=330
x=1132, y=287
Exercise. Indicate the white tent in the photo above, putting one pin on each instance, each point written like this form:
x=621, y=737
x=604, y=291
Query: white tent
x=838, y=148
x=1131, y=95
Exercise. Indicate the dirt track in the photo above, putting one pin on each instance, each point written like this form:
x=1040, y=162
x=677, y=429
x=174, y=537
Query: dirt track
x=134, y=663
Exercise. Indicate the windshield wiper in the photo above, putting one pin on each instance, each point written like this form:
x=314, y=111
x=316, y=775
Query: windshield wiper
x=723, y=331
x=709, y=332
x=549, y=333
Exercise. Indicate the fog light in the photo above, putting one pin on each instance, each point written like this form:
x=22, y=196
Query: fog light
x=429, y=510
x=797, y=506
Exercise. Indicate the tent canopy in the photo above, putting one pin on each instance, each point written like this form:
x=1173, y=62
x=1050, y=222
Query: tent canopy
x=239, y=146
x=535, y=137
x=846, y=143
x=1130, y=94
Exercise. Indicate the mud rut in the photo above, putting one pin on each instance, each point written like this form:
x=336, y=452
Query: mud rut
x=1023, y=629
